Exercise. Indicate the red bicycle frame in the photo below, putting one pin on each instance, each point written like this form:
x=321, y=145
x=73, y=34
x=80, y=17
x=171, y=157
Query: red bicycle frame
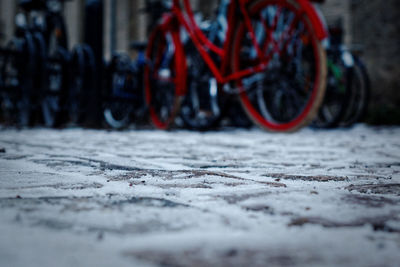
x=185, y=17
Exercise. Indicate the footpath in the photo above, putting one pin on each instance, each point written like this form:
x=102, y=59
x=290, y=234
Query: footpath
x=80, y=197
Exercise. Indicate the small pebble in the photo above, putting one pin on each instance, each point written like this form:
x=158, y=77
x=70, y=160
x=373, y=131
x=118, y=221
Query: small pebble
x=100, y=236
x=232, y=253
x=18, y=218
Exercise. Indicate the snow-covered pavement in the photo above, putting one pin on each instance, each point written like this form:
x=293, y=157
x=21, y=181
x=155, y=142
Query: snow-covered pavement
x=231, y=198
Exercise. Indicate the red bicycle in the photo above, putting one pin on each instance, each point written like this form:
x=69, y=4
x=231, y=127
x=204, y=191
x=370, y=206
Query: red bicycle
x=272, y=57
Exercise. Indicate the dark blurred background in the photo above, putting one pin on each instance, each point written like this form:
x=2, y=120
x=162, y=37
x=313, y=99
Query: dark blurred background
x=372, y=27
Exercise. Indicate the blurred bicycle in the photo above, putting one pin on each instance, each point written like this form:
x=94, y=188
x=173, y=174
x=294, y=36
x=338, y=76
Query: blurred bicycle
x=263, y=38
x=35, y=64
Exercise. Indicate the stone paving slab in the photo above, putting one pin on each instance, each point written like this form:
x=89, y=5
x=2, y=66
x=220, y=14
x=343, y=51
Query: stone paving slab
x=80, y=197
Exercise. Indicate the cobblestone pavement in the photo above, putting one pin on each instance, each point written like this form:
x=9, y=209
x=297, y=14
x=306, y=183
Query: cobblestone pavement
x=232, y=198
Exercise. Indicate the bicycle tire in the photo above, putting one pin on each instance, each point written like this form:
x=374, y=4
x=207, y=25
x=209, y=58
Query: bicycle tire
x=160, y=78
x=54, y=101
x=81, y=78
x=338, y=93
x=77, y=75
x=361, y=89
x=261, y=108
x=11, y=80
x=54, y=98
x=118, y=107
x=17, y=96
x=40, y=77
x=2, y=58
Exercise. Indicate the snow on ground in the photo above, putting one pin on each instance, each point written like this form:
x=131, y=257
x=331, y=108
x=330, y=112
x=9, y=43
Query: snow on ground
x=79, y=197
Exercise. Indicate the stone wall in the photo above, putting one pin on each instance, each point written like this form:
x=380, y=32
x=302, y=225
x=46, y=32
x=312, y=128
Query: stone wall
x=7, y=11
x=376, y=26
x=74, y=15
x=338, y=12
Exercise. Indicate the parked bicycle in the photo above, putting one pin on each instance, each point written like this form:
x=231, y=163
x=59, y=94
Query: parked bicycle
x=361, y=88
x=347, y=94
x=82, y=71
x=17, y=75
x=259, y=54
x=123, y=97
x=35, y=64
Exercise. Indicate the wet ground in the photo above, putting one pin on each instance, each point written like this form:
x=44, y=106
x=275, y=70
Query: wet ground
x=231, y=198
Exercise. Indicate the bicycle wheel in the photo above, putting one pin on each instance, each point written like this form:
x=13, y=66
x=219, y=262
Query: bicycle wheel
x=338, y=91
x=54, y=96
x=360, y=88
x=11, y=74
x=2, y=59
x=81, y=78
x=119, y=105
x=40, y=76
x=76, y=85
x=287, y=94
x=18, y=76
x=161, y=79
